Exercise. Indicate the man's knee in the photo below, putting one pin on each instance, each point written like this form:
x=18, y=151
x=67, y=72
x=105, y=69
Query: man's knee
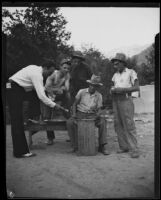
x=100, y=122
x=70, y=122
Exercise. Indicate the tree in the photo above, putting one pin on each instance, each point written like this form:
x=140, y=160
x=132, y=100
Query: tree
x=32, y=35
x=150, y=66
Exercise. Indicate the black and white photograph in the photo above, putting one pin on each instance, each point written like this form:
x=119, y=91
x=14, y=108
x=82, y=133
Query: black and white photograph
x=79, y=103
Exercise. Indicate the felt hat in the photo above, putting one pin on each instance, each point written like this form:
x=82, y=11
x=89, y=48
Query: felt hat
x=78, y=54
x=120, y=57
x=67, y=61
x=95, y=80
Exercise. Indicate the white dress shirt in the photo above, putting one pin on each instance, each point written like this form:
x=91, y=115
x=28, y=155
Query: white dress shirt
x=31, y=78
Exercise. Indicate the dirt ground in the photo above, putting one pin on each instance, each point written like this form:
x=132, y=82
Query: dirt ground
x=55, y=173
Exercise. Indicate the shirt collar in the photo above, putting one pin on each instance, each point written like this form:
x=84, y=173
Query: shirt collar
x=122, y=71
x=87, y=91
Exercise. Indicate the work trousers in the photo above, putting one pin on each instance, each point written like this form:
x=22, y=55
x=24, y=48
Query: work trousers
x=124, y=124
x=47, y=111
x=99, y=122
x=15, y=97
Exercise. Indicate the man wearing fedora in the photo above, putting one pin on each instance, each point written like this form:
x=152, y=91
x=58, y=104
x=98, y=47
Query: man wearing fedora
x=125, y=82
x=80, y=72
x=87, y=104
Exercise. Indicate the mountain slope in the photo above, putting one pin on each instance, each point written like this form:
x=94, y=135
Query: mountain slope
x=141, y=57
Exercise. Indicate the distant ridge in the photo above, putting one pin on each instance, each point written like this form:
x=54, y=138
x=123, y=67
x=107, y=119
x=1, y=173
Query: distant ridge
x=128, y=50
x=141, y=57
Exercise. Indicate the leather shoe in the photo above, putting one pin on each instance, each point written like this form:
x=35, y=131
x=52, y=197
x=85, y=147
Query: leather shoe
x=27, y=155
x=50, y=142
x=73, y=150
x=135, y=154
x=122, y=151
x=68, y=140
x=103, y=149
x=105, y=152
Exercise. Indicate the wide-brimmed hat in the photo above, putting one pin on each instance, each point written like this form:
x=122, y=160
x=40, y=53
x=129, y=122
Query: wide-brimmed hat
x=120, y=57
x=78, y=54
x=65, y=61
x=95, y=80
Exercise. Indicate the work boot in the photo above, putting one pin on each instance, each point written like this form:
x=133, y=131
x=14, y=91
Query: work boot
x=135, y=154
x=68, y=140
x=50, y=142
x=122, y=151
x=104, y=149
x=73, y=150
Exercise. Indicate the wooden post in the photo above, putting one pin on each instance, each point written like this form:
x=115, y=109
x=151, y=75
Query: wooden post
x=86, y=137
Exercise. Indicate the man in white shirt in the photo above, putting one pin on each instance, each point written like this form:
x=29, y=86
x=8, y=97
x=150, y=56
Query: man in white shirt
x=125, y=82
x=23, y=84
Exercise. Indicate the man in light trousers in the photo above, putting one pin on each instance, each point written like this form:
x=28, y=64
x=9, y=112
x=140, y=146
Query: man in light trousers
x=125, y=82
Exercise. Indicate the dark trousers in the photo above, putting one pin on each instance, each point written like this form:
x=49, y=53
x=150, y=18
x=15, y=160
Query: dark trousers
x=47, y=111
x=15, y=97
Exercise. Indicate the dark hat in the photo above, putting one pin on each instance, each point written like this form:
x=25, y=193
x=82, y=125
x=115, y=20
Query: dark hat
x=67, y=61
x=95, y=80
x=78, y=54
x=120, y=57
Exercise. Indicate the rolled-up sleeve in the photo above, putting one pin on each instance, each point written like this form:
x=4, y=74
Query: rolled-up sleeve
x=40, y=90
x=78, y=95
x=133, y=76
x=99, y=102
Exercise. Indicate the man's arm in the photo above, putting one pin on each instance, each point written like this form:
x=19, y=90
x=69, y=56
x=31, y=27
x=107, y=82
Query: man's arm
x=40, y=90
x=76, y=102
x=74, y=107
x=134, y=88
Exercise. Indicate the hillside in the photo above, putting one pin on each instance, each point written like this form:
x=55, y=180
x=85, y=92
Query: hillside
x=141, y=57
x=128, y=50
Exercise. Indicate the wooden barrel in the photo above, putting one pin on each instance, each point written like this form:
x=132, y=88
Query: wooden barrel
x=86, y=137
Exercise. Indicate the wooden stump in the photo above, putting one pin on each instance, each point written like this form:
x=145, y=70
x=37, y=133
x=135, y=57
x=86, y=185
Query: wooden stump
x=86, y=137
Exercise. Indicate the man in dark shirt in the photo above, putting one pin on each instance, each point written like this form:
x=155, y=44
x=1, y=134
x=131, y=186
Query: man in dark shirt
x=80, y=72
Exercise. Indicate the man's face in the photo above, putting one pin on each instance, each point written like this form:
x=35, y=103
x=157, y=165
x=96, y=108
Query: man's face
x=92, y=88
x=119, y=65
x=76, y=61
x=47, y=71
x=65, y=68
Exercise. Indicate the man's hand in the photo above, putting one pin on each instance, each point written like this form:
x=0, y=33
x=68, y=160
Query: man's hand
x=93, y=109
x=57, y=107
x=117, y=90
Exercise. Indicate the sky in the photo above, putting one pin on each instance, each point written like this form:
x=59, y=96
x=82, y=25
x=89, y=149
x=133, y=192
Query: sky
x=109, y=28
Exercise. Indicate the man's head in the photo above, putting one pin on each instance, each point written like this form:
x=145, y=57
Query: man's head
x=119, y=62
x=94, y=83
x=48, y=68
x=77, y=58
x=65, y=66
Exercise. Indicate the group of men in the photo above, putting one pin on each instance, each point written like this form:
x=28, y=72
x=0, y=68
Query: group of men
x=75, y=84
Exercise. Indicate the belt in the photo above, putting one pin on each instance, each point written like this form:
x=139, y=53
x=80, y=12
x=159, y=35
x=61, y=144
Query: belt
x=87, y=112
x=123, y=95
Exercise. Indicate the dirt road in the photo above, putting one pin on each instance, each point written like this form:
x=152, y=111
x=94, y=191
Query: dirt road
x=54, y=173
